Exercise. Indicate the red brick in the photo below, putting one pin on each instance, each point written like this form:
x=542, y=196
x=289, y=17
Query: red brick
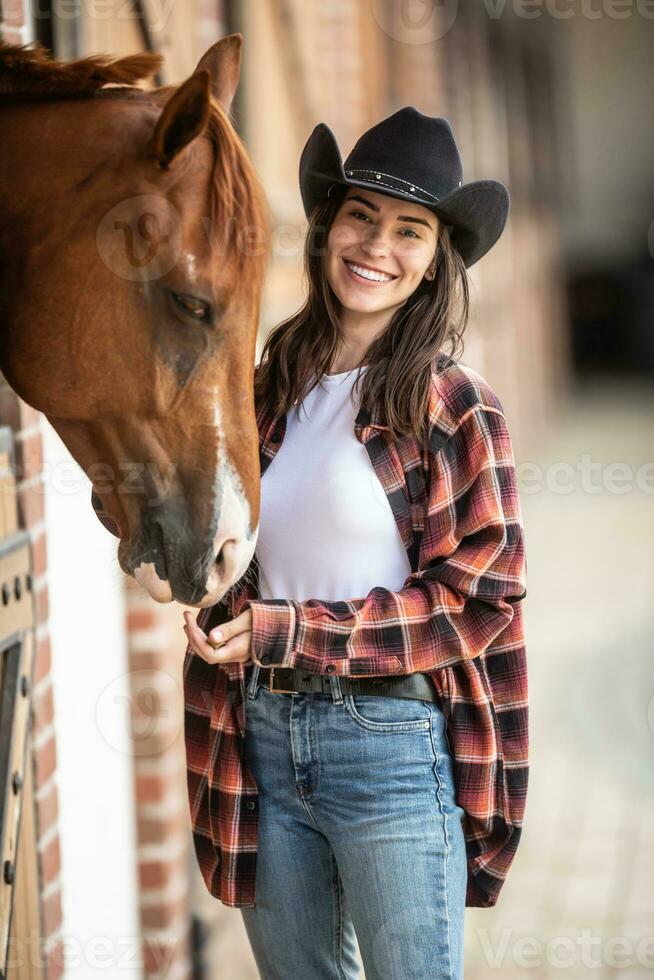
x=42, y=602
x=165, y=916
x=51, y=861
x=151, y=789
x=152, y=830
x=52, y=917
x=147, y=660
x=43, y=709
x=39, y=555
x=158, y=956
x=155, y=874
x=55, y=961
x=29, y=456
x=43, y=659
x=158, y=743
x=141, y=619
x=13, y=13
x=47, y=809
x=31, y=505
x=46, y=762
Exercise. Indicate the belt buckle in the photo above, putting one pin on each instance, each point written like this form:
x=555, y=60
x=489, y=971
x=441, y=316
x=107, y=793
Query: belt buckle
x=278, y=690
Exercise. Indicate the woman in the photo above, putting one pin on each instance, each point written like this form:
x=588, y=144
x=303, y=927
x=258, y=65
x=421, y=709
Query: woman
x=360, y=832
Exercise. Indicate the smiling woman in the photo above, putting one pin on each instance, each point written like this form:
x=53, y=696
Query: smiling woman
x=377, y=638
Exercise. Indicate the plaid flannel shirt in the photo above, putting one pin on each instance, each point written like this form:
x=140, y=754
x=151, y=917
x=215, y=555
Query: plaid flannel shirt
x=458, y=617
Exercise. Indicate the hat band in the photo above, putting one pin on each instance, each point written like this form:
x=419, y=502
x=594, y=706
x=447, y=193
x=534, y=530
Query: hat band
x=389, y=180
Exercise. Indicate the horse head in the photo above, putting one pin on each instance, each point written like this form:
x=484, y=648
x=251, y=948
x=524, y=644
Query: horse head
x=134, y=242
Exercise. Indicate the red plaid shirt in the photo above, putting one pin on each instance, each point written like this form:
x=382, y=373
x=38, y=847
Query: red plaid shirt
x=458, y=617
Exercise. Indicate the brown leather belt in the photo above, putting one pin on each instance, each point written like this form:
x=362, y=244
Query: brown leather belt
x=293, y=680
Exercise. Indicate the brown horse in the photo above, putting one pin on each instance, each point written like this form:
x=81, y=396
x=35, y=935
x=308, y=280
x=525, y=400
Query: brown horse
x=134, y=239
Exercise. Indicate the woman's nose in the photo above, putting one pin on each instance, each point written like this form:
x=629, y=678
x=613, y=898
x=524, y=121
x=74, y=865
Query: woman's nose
x=376, y=243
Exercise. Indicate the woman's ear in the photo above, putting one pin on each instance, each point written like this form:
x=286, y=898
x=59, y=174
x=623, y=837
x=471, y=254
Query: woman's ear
x=431, y=270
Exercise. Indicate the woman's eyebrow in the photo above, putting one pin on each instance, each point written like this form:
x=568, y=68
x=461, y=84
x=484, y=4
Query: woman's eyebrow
x=401, y=217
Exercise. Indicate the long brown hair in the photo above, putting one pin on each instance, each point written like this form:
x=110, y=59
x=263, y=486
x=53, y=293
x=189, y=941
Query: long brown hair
x=399, y=362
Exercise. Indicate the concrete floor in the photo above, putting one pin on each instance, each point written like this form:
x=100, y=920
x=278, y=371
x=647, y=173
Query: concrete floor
x=579, y=900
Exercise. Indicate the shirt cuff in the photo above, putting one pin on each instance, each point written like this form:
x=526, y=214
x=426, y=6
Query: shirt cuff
x=273, y=631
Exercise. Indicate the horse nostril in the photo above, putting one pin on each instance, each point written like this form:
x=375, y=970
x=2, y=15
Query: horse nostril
x=105, y=519
x=223, y=556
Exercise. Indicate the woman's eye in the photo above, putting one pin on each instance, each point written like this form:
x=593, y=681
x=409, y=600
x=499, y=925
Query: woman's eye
x=193, y=307
x=361, y=214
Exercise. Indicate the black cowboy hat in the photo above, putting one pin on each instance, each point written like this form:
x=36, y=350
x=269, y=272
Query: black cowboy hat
x=413, y=157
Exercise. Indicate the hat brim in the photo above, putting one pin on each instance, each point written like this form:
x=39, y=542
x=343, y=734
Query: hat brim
x=477, y=212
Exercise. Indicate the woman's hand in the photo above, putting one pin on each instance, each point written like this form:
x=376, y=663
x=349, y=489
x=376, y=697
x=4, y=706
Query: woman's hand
x=227, y=643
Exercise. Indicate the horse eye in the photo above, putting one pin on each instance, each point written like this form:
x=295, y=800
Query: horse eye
x=196, y=308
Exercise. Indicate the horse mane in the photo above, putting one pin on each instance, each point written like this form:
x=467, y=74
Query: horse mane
x=238, y=205
x=29, y=69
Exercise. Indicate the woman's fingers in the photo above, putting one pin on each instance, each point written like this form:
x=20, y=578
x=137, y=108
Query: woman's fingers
x=198, y=642
x=235, y=650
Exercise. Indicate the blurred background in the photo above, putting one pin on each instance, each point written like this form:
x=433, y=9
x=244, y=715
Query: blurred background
x=554, y=100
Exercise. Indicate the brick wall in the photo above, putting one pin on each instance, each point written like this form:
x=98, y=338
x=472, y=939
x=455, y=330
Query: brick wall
x=28, y=444
x=156, y=645
x=26, y=425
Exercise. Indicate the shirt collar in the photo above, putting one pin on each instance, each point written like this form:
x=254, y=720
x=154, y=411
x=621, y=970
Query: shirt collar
x=272, y=427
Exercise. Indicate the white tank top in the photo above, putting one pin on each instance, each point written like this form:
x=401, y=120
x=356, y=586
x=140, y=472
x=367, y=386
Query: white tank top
x=327, y=530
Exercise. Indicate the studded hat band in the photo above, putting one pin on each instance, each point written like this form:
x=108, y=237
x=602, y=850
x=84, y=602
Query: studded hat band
x=397, y=183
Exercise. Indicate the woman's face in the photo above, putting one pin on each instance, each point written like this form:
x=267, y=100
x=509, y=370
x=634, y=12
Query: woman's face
x=379, y=249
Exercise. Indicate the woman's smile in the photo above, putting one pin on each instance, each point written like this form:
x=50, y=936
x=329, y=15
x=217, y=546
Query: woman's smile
x=367, y=276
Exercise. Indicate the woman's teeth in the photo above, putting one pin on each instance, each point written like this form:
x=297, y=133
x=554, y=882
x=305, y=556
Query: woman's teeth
x=359, y=270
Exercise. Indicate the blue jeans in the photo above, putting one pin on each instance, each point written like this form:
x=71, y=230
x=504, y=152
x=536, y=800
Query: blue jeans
x=360, y=838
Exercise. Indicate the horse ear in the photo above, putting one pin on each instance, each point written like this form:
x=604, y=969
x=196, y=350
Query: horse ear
x=223, y=62
x=183, y=117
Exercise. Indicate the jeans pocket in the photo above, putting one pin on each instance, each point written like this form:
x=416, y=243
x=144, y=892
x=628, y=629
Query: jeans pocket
x=376, y=713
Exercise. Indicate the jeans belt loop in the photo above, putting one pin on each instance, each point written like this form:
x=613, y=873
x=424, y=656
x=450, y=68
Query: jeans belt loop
x=254, y=677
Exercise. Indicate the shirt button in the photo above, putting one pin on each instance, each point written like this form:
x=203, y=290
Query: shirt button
x=331, y=667
x=265, y=659
x=251, y=805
